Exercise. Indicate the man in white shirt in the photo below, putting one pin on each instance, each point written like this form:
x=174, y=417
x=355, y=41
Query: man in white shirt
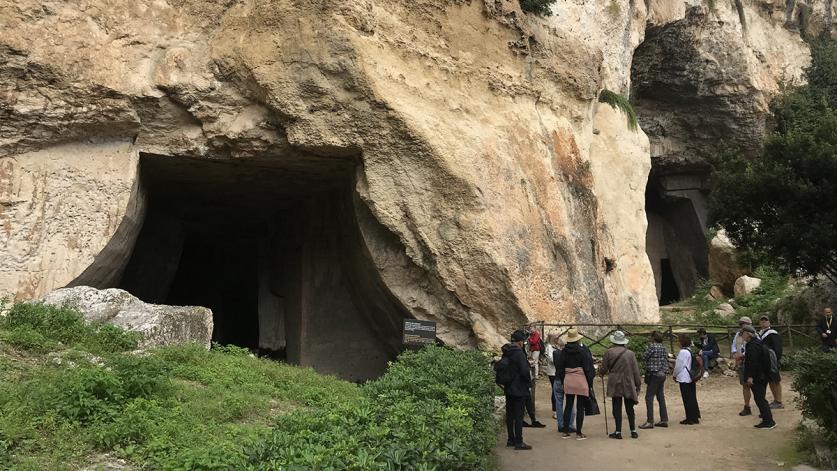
x=738, y=345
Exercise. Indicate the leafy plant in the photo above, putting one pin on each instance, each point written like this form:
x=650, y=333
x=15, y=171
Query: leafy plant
x=816, y=383
x=617, y=101
x=782, y=205
x=538, y=7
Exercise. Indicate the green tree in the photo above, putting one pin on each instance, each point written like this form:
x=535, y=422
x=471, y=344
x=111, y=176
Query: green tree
x=782, y=204
x=539, y=7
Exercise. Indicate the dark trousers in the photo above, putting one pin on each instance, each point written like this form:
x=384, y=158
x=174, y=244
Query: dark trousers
x=514, y=418
x=688, y=391
x=569, y=399
x=759, y=391
x=552, y=388
x=617, y=412
x=656, y=388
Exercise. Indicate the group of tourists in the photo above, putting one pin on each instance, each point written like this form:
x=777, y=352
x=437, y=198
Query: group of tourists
x=570, y=368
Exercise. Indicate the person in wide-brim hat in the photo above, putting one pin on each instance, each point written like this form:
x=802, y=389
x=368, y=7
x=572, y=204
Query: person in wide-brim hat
x=573, y=336
x=619, y=338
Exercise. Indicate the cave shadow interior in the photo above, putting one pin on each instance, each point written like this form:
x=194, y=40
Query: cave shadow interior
x=275, y=251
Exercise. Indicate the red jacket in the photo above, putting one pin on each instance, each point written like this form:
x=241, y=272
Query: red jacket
x=535, y=341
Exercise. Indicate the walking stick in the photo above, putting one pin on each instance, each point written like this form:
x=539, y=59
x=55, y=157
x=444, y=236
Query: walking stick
x=604, y=405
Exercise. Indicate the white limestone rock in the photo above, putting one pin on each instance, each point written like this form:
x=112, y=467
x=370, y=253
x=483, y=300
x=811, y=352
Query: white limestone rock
x=160, y=325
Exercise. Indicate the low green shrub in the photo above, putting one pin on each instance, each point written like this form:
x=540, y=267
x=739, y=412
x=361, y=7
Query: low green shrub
x=816, y=383
x=431, y=411
x=41, y=328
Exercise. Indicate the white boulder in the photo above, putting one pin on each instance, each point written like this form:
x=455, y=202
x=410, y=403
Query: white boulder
x=160, y=325
x=745, y=285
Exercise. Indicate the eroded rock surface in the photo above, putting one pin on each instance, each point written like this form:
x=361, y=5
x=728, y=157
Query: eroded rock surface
x=488, y=185
x=158, y=325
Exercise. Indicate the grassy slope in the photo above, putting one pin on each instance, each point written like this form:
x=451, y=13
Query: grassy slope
x=72, y=395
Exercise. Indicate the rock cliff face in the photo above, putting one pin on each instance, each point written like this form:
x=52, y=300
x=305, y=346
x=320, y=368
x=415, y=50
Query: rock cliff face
x=325, y=164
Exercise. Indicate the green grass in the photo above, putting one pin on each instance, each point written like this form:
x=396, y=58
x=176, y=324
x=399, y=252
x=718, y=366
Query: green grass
x=72, y=391
x=73, y=395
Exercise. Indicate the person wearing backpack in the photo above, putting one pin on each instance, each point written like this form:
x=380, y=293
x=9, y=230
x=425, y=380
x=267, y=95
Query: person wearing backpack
x=757, y=366
x=772, y=340
x=623, y=382
x=512, y=374
x=687, y=372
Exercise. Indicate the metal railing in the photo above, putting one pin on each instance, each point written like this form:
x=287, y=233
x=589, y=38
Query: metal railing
x=670, y=331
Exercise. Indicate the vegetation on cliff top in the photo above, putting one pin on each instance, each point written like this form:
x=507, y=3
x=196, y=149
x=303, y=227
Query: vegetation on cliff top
x=781, y=206
x=538, y=7
x=77, y=396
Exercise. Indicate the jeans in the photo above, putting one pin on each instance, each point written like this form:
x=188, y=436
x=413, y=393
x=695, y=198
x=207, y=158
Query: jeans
x=707, y=355
x=688, y=391
x=558, y=398
x=514, y=418
x=579, y=412
x=759, y=391
x=656, y=388
x=617, y=413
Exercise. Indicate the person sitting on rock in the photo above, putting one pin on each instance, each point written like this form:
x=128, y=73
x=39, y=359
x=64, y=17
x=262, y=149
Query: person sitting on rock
x=709, y=349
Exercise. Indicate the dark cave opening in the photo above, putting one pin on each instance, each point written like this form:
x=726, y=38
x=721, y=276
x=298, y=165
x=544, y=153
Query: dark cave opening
x=669, y=292
x=274, y=249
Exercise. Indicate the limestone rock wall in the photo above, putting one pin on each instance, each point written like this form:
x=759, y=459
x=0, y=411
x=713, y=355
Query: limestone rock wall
x=491, y=187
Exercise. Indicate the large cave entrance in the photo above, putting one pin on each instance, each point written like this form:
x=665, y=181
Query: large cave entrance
x=275, y=251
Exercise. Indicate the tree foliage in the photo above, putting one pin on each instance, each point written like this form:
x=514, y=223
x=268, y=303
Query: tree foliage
x=538, y=7
x=782, y=204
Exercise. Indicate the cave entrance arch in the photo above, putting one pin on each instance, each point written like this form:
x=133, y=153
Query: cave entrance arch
x=275, y=251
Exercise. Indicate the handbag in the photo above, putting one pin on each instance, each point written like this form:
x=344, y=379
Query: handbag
x=592, y=406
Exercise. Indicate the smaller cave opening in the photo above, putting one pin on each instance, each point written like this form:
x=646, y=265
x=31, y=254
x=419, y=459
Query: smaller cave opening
x=669, y=292
x=676, y=244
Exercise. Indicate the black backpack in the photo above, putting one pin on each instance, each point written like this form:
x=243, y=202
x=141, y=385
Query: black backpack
x=696, y=368
x=772, y=364
x=504, y=371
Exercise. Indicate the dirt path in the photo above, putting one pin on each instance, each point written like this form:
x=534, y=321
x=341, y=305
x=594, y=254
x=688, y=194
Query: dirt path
x=723, y=441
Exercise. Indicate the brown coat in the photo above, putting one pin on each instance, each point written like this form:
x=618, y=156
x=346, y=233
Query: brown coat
x=622, y=375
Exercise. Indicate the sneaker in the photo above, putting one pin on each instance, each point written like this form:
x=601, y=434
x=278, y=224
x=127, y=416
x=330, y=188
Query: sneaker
x=705, y=374
x=776, y=405
x=745, y=411
x=580, y=436
x=766, y=425
x=616, y=435
x=565, y=435
x=523, y=446
x=686, y=422
x=526, y=424
x=646, y=426
x=554, y=415
x=661, y=424
x=634, y=434
x=537, y=424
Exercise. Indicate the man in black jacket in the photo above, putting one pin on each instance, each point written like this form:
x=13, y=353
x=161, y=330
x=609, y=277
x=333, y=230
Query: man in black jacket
x=517, y=392
x=708, y=349
x=772, y=340
x=757, y=373
x=827, y=331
